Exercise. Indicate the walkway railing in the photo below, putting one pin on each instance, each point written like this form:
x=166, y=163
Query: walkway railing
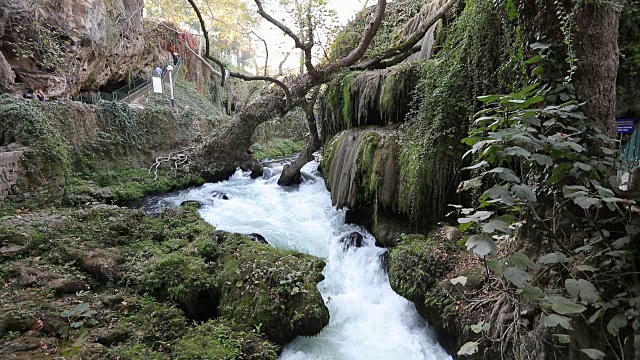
x=131, y=90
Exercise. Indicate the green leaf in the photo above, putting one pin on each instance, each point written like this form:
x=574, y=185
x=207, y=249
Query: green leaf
x=480, y=327
x=505, y=174
x=533, y=293
x=516, y=276
x=476, y=166
x=594, y=354
x=540, y=45
x=583, y=289
x=523, y=192
x=622, y=242
x=496, y=266
x=521, y=260
x=598, y=314
x=477, y=217
x=499, y=192
x=459, y=280
x=494, y=225
x=562, y=338
x=553, y=320
x=586, y=202
x=553, y=258
x=534, y=60
x=586, y=268
x=564, y=306
x=582, y=166
x=619, y=321
x=489, y=98
x=482, y=245
x=572, y=191
x=517, y=151
x=543, y=160
x=469, y=348
x=470, y=184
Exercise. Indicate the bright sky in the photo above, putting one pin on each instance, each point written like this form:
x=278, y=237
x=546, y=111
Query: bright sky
x=280, y=44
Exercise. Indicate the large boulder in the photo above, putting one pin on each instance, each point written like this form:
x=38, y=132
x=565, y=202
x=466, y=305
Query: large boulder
x=269, y=288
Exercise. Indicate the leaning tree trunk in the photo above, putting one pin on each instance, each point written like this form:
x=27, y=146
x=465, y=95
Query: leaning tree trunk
x=227, y=148
x=291, y=173
x=596, y=47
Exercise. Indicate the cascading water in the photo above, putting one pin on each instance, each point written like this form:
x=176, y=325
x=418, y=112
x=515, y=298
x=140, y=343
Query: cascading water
x=368, y=320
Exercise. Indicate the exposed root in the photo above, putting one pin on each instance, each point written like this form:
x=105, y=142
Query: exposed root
x=174, y=159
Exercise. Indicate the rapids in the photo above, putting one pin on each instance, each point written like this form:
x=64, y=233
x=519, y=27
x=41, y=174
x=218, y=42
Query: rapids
x=368, y=319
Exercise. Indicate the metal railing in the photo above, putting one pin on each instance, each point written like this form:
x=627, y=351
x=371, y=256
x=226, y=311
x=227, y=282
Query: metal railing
x=133, y=87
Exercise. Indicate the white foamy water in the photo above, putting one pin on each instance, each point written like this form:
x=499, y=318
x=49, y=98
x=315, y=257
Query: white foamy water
x=368, y=320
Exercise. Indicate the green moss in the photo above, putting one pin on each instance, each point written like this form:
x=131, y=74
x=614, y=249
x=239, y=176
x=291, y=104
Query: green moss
x=368, y=171
x=469, y=64
x=151, y=324
x=217, y=340
x=274, y=289
x=124, y=185
x=416, y=269
x=23, y=122
x=396, y=92
x=180, y=276
x=276, y=148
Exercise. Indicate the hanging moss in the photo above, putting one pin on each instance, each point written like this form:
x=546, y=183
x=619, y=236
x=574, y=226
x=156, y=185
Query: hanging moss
x=475, y=49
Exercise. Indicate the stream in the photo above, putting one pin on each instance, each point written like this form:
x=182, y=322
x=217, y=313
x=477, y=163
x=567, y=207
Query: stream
x=368, y=319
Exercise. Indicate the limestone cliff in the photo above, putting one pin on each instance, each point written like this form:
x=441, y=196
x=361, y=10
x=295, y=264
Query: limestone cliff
x=66, y=46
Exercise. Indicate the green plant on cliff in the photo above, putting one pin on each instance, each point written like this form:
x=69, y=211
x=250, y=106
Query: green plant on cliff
x=474, y=52
x=24, y=123
x=547, y=176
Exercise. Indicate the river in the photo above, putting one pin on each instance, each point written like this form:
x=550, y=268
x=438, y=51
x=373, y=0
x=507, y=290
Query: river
x=369, y=320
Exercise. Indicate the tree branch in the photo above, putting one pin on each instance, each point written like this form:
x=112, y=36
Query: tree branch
x=223, y=69
x=305, y=47
x=369, y=33
x=408, y=44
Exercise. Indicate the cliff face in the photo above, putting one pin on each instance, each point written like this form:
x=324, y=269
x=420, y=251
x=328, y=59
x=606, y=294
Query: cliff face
x=65, y=46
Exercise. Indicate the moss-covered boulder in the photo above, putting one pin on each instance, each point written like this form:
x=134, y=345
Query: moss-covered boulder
x=274, y=290
x=224, y=340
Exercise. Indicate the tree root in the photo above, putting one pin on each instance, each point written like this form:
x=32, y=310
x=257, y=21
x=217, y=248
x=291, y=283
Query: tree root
x=176, y=159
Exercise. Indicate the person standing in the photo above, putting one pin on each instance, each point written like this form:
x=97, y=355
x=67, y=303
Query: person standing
x=175, y=58
x=158, y=71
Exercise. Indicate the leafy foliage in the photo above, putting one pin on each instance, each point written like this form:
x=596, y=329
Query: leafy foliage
x=532, y=160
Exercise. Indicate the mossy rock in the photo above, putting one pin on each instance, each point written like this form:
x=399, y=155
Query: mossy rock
x=123, y=186
x=269, y=288
x=223, y=340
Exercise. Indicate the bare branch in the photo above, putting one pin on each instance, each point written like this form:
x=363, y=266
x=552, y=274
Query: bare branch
x=369, y=33
x=205, y=33
x=279, y=25
x=408, y=44
x=305, y=47
x=223, y=69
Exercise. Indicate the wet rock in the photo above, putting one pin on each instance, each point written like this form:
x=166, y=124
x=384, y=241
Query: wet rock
x=258, y=238
x=112, y=300
x=11, y=250
x=191, y=203
x=283, y=299
x=64, y=286
x=221, y=236
x=351, y=240
x=103, y=264
x=31, y=275
x=109, y=337
x=13, y=321
x=219, y=195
